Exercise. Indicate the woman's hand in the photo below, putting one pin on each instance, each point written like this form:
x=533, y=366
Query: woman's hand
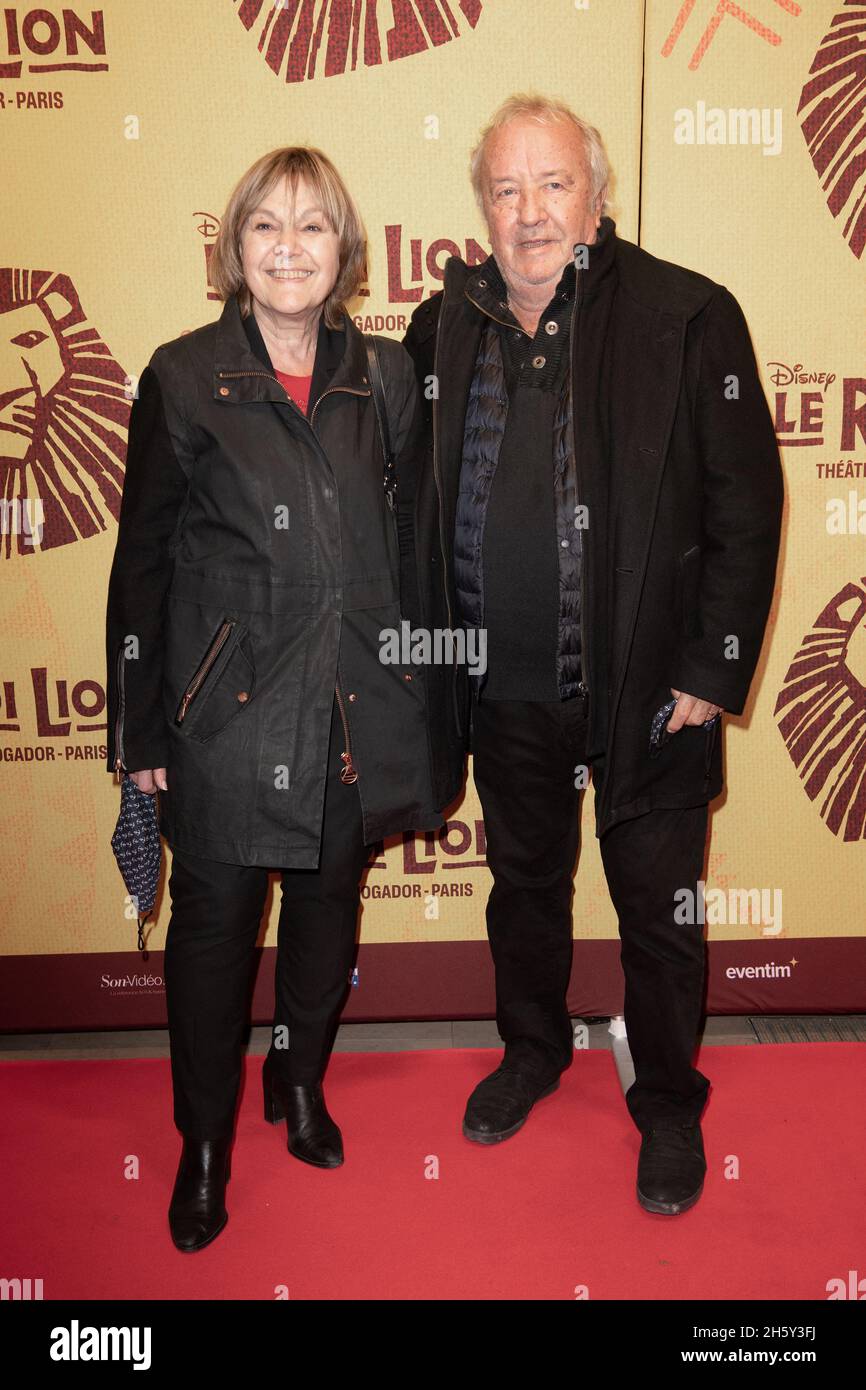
x=150, y=780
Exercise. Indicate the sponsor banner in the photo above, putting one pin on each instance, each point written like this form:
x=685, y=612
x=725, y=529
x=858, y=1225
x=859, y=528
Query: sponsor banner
x=426, y=980
x=744, y=162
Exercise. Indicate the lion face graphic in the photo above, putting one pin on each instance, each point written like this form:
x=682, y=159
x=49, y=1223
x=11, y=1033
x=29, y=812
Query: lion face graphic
x=294, y=36
x=832, y=113
x=64, y=412
x=821, y=712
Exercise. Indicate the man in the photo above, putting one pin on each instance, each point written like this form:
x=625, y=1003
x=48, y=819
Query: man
x=605, y=500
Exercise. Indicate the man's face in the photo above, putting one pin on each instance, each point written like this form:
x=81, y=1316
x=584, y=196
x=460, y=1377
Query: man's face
x=536, y=200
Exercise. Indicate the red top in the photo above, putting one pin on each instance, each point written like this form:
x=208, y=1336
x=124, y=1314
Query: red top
x=298, y=387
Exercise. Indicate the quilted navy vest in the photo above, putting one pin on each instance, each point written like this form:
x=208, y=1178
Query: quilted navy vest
x=484, y=429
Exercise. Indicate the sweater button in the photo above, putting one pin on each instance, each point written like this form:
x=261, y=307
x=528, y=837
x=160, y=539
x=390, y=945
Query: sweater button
x=407, y=677
x=538, y=361
x=243, y=696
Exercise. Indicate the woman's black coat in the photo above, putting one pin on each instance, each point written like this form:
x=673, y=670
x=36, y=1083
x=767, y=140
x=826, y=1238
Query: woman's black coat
x=257, y=565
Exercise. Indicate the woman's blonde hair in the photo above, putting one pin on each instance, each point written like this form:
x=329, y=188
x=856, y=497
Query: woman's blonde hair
x=292, y=162
x=544, y=111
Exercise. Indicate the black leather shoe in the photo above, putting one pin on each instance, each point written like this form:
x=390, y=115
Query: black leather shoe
x=500, y=1104
x=671, y=1168
x=313, y=1135
x=197, y=1212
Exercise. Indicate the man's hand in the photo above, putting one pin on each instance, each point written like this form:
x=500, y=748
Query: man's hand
x=689, y=710
x=150, y=779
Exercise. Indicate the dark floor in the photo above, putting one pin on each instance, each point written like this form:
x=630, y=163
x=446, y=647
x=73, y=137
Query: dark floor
x=403, y=1037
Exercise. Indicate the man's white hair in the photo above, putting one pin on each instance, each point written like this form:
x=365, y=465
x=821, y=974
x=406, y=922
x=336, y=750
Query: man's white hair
x=545, y=112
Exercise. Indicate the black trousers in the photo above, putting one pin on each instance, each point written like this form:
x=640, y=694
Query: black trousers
x=525, y=756
x=210, y=950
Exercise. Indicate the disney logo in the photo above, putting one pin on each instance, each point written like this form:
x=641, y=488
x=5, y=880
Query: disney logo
x=787, y=376
x=209, y=225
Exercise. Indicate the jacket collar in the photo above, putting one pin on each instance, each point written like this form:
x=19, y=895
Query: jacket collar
x=655, y=284
x=243, y=370
x=486, y=286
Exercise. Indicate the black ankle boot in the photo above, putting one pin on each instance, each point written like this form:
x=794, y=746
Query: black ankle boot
x=313, y=1136
x=197, y=1212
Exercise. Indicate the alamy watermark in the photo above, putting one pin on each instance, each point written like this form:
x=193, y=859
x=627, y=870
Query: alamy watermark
x=22, y=516
x=758, y=906
x=438, y=646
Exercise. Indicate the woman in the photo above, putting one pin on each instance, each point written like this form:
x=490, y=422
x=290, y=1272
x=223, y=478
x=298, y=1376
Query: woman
x=257, y=564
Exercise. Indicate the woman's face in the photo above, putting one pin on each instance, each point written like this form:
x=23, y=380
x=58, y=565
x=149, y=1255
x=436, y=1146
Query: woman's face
x=290, y=253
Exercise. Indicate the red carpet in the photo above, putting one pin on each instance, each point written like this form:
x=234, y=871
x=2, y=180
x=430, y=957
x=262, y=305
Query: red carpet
x=547, y=1211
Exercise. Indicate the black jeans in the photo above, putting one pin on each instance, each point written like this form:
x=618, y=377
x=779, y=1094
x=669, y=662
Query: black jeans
x=525, y=756
x=210, y=950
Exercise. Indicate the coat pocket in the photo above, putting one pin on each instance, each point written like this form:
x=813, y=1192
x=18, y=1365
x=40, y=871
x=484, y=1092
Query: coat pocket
x=689, y=565
x=221, y=686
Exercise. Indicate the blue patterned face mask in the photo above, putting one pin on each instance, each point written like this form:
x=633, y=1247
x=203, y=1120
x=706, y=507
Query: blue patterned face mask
x=659, y=734
x=138, y=849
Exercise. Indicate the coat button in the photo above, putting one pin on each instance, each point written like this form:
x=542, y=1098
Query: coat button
x=407, y=677
x=225, y=390
x=243, y=696
x=353, y=698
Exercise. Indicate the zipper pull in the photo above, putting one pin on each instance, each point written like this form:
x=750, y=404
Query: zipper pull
x=348, y=774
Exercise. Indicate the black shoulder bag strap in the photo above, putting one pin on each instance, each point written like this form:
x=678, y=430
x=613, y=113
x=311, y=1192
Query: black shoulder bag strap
x=378, y=387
